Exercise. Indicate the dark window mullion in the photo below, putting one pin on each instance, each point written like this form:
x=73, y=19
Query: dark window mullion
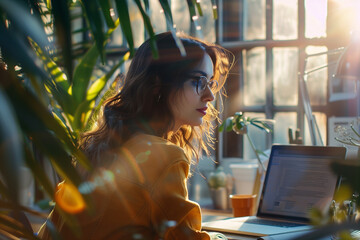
x=301, y=67
x=269, y=107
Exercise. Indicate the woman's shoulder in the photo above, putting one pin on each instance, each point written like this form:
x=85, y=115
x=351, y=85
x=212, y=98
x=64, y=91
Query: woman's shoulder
x=150, y=157
x=157, y=148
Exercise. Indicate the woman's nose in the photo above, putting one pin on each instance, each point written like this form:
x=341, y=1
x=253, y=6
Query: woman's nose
x=208, y=95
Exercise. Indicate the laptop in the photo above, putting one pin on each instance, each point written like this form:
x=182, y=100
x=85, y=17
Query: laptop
x=298, y=179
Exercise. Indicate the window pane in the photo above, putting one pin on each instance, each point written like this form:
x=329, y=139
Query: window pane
x=77, y=24
x=315, y=18
x=254, y=82
x=157, y=16
x=254, y=19
x=232, y=20
x=285, y=76
x=257, y=136
x=181, y=15
x=137, y=24
x=206, y=28
x=285, y=19
x=317, y=81
x=283, y=121
x=321, y=123
x=116, y=36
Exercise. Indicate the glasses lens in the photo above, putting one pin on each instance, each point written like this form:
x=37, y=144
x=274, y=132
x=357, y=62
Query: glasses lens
x=202, y=83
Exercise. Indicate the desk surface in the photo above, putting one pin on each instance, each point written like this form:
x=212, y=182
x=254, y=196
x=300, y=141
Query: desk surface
x=213, y=215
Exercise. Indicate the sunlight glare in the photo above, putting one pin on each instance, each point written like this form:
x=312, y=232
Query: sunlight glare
x=69, y=198
x=349, y=10
x=315, y=18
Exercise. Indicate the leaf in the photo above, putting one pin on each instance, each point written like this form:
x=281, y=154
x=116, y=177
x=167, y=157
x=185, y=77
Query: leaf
x=198, y=7
x=260, y=127
x=27, y=23
x=221, y=127
x=214, y=7
x=192, y=10
x=229, y=124
x=99, y=84
x=97, y=108
x=261, y=153
x=13, y=46
x=11, y=206
x=355, y=131
x=38, y=173
x=37, y=11
x=11, y=154
x=267, y=127
x=106, y=6
x=169, y=20
x=62, y=25
x=93, y=17
x=38, y=123
x=149, y=29
x=80, y=114
x=62, y=120
x=124, y=17
x=147, y=6
x=15, y=228
x=58, y=84
x=240, y=114
x=83, y=73
x=167, y=11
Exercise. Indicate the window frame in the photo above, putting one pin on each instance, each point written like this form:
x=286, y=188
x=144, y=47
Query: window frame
x=237, y=48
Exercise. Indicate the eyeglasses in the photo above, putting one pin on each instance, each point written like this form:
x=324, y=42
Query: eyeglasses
x=201, y=82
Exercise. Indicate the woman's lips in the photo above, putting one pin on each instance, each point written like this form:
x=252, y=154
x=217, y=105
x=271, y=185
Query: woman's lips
x=202, y=110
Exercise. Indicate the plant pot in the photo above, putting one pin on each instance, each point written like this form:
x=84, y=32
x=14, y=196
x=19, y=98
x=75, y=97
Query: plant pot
x=220, y=198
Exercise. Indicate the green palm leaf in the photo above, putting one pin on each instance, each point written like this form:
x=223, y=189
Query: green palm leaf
x=83, y=73
x=27, y=24
x=15, y=228
x=16, y=51
x=149, y=29
x=124, y=17
x=62, y=25
x=192, y=9
x=38, y=173
x=95, y=22
x=105, y=7
x=58, y=83
x=214, y=7
x=99, y=84
x=10, y=143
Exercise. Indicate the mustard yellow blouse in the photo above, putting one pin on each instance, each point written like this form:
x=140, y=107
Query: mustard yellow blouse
x=141, y=195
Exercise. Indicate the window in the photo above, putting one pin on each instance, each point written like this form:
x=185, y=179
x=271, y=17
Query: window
x=271, y=40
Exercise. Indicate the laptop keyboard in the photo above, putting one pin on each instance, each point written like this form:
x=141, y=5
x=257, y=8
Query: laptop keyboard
x=273, y=223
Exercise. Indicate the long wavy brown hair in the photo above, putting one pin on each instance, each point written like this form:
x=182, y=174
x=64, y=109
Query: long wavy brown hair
x=145, y=97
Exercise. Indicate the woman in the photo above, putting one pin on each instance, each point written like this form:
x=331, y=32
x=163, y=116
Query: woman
x=143, y=144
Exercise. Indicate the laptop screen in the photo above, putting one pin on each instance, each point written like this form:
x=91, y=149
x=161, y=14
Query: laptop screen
x=298, y=179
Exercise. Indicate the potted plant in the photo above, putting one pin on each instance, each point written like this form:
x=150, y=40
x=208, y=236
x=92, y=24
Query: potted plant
x=220, y=185
x=239, y=124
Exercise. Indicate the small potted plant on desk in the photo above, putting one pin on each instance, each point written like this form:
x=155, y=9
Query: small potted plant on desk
x=239, y=124
x=220, y=185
